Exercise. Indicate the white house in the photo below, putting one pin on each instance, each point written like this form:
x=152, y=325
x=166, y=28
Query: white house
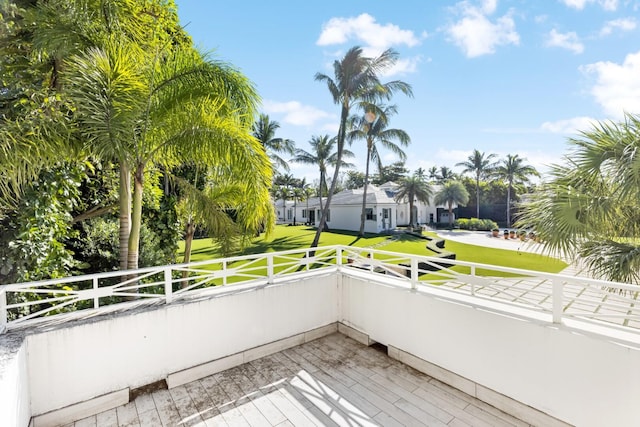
x=383, y=213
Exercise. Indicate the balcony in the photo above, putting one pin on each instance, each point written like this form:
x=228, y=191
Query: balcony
x=508, y=346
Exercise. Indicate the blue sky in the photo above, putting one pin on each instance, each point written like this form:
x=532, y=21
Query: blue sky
x=501, y=76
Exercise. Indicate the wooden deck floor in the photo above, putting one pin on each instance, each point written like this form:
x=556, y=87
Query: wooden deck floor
x=327, y=382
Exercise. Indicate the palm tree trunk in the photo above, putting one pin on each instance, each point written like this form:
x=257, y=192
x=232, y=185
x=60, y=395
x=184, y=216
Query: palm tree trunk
x=450, y=216
x=125, y=213
x=322, y=185
x=509, y=205
x=364, y=192
x=478, y=196
x=411, y=218
x=188, y=240
x=136, y=218
x=341, y=136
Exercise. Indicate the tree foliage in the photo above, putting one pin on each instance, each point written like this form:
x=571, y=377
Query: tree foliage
x=589, y=207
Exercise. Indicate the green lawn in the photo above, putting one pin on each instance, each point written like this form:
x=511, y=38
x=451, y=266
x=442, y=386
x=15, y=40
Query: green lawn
x=287, y=237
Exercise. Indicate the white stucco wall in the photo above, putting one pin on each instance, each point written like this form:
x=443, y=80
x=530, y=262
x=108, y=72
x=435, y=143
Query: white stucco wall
x=76, y=363
x=578, y=378
x=347, y=217
x=14, y=384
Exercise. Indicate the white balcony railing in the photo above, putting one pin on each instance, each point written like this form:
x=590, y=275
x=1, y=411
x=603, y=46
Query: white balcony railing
x=556, y=297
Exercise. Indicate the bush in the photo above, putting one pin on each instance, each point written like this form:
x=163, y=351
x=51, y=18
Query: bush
x=475, y=224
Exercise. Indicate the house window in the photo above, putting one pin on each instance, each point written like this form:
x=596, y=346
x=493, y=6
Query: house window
x=328, y=215
x=370, y=215
x=304, y=213
x=289, y=214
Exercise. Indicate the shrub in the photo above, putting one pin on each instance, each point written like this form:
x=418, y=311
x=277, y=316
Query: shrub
x=475, y=224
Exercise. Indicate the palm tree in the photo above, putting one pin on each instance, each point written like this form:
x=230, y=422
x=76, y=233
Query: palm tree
x=481, y=165
x=433, y=173
x=590, y=206
x=323, y=156
x=452, y=192
x=308, y=191
x=513, y=170
x=355, y=82
x=264, y=130
x=414, y=188
x=372, y=127
x=297, y=194
x=445, y=174
x=144, y=107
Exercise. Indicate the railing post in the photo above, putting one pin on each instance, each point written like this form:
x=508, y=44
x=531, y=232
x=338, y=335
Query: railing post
x=269, y=268
x=414, y=273
x=473, y=274
x=3, y=309
x=168, y=285
x=224, y=273
x=338, y=256
x=557, y=300
x=96, y=299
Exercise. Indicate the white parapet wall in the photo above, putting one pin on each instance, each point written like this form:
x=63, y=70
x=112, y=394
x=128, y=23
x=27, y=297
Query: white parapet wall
x=81, y=361
x=14, y=387
x=569, y=373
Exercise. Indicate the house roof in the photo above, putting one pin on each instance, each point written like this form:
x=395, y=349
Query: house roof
x=375, y=195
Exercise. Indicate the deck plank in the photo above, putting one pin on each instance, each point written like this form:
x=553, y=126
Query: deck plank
x=332, y=381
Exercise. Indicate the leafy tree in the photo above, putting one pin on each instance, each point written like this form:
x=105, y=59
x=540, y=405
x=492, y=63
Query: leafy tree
x=354, y=180
x=372, y=128
x=452, y=192
x=264, y=130
x=589, y=207
x=322, y=154
x=513, y=170
x=34, y=235
x=355, y=82
x=414, y=188
x=394, y=172
x=479, y=164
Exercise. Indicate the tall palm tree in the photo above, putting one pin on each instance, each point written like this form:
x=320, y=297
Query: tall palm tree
x=414, y=188
x=355, y=81
x=481, y=165
x=433, y=173
x=372, y=127
x=445, y=174
x=590, y=208
x=513, y=170
x=452, y=192
x=264, y=130
x=167, y=107
x=322, y=154
x=297, y=194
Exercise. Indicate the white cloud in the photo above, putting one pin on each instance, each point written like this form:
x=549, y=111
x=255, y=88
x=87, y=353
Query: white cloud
x=476, y=34
x=609, y=5
x=568, y=41
x=295, y=113
x=364, y=28
x=617, y=87
x=622, y=24
x=569, y=126
x=403, y=66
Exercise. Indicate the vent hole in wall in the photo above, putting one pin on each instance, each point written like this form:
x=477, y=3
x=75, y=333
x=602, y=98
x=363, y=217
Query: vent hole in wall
x=379, y=347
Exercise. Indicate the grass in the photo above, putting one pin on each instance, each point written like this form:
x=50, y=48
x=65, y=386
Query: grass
x=288, y=237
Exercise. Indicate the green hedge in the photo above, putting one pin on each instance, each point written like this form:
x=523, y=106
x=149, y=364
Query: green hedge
x=475, y=224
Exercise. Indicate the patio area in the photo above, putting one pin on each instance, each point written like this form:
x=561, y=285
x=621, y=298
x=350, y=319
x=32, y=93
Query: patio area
x=330, y=381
